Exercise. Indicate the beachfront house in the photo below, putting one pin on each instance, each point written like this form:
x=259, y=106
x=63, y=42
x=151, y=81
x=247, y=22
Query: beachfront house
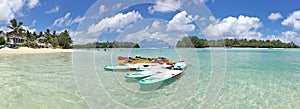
x=13, y=40
x=41, y=42
x=16, y=40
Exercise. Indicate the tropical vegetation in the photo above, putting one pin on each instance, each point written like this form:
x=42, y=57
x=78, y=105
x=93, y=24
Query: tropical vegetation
x=34, y=40
x=114, y=44
x=2, y=41
x=194, y=41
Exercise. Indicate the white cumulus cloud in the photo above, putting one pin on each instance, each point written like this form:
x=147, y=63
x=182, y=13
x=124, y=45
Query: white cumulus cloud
x=241, y=27
x=115, y=23
x=117, y=6
x=287, y=37
x=33, y=24
x=9, y=9
x=293, y=20
x=155, y=32
x=6, y=29
x=29, y=29
x=53, y=10
x=102, y=9
x=291, y=36
x=169, y=32
x=274, y=16
x=32, y=3
x=200, y=1
x=66, y=21
x=181, y=22
x=166, y=6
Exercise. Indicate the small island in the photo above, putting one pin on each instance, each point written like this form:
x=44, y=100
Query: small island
x=194, y=41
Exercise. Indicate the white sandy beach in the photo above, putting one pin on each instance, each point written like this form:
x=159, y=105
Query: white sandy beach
x=26, y=50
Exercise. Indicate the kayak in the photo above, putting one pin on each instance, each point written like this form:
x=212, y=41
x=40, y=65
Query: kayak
x=138, y=75
x=152, y=69
x=160, y=77
x=149, y=66
x=180, y=65
x=138, y=59
x=124, y=68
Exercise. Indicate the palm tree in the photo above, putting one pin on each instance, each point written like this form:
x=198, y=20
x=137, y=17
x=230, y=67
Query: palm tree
x=16, y=28
x=64, y=40
x=48, y=37
x=34, y=38
x=54, y=40
x=30, y=38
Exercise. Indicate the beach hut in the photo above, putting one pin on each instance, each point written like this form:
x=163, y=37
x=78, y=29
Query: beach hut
x=16, y=40
x=41, y=42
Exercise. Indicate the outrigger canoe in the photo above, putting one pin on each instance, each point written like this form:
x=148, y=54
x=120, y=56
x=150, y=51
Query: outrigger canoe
x=160, y=77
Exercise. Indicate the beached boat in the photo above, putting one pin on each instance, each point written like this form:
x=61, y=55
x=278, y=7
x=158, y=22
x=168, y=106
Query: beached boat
x=160, y=77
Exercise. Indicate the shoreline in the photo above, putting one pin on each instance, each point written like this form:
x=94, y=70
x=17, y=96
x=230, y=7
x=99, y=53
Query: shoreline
x=26, y=50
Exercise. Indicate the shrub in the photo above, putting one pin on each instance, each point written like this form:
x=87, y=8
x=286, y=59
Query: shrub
x=2, y=41
x=21, y=44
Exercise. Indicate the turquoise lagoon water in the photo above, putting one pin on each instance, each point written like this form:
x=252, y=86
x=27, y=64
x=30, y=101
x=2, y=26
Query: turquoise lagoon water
x=245, y=78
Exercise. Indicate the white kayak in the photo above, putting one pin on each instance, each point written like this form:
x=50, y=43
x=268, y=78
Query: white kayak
x=180, y=65
x=138, y=75
x=160, y=76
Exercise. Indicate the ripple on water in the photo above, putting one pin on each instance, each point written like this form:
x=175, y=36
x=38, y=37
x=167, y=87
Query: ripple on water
x=253, y=79
x=35, y=81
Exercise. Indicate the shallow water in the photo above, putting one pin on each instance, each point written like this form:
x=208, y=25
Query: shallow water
x=254, y=78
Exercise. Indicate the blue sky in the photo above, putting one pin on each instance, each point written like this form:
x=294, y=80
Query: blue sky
x=255, y=19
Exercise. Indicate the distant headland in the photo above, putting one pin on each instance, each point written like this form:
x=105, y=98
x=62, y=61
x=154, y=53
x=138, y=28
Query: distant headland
x=194, y=41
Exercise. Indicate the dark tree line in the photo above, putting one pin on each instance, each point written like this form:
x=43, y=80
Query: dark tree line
x=194, y=41
x=107, y=44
